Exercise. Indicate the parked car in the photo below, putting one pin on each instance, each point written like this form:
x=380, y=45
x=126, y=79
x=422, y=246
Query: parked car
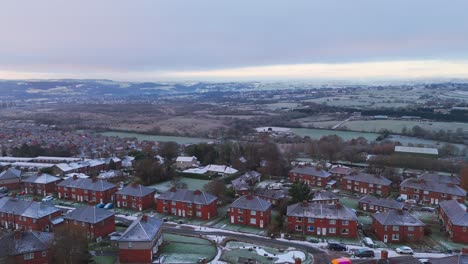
x=336, y=246
x=428, y=209
x=3, y=189
x=364, y=253
x=404, y=250
x=109, y=206
x=100, y=205
x=367, y=241
x=48, y=198
x=411, y=201
x=314, y=240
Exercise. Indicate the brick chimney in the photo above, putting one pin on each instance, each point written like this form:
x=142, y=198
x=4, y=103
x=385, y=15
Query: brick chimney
x=17, y=234
x=39, y=173
x=94, y=179
x=384, y=254
x=144, y=218
x=304, y=203
x=297, y=261
x=249, y=197
x=75, y=177
x=464, y=251
x=134, y=184
x=173, y=189
x=450, y=185
x=197, y=192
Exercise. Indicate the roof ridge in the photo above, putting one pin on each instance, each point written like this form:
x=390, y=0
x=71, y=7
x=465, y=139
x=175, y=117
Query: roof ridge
x=144, y=230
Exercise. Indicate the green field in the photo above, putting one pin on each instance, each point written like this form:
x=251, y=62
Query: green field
x=346, y=135
x=192, y=184
x=157, y=138
x=396, y=126
x=185, y=249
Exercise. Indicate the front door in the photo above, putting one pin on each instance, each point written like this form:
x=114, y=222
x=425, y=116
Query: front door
x=261, y=223
x=232, y=219
x=364, y=207
x=385, y=238
x=324, y=231
x=318, y=231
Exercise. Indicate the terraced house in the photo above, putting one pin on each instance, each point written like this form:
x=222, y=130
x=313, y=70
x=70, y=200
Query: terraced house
x=454, y=219
x=397, y=226
x=10, y=178
x=250, y=210
x=313, y=176
x=374, y=204
x=322, y=220
x=96, y=223
x=28, y=215
x=26, y=247
x=187, y=203
x=366, y=184
x=86, y=190
x=431, y=192
x=135, y=196
x=41, y=184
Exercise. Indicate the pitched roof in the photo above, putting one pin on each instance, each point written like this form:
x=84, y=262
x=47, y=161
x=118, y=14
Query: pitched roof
x=186, y=159
x=397, y=218
x=29, y=241
x=322, y=211
x=89, y=214
x=11, y=173
x=137, y=190
x=250, y=202
x=433, y=186
x=251, y=175
x=324, y=195
x=416, y=150
x=455, y=211
x=388, y=203
x=188, y=196
x=313, y=171
x=340, y=170
x=87, y=184
x=369, y=178
x=145, y=228
x=240, y=184
x=43, y=178
x=270, y=194
x=25, y=208
x=440, y=178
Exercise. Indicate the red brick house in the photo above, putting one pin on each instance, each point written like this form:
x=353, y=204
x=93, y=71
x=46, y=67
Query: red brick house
x=41, y=184
x=135, y=196
x=325, y=197
x=86, y=190
x=340, y=171
x=396, y=226
x=273, y=196
x=26, y=247
x=370, y=203
x=366, y=184
x=27, y=215
x=454, y=219
x=428, y=176
x=313, y=176
x=430, y=192
x=141, y=241
x=95, y=222
x=11, y=179
x=240, y=186
x=251, y=211
x=187, y=203
x=322, y=220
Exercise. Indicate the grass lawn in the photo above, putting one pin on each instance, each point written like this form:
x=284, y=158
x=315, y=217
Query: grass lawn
x=105, y=259
x=192, y=184
x=349, y=202
x=225, y=224
x=185, y=249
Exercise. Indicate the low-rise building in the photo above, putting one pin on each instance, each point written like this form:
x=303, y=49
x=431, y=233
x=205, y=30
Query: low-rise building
x=325, y=197
x=435, y=177
x=41, y=184
x=430, y=191
x=141, y=241
x=240, y=186
x=313, y=176
x=366, y=184
x=96, y=223
x=322, y=220
x=416, y=151
x=397, y=226
x=26, y=247
x=183, y=162
x=370, y=203
x=135, y=196
x=454, y=219
x=187, y=203
x=86, y=190
x=28, y=215
x=10, y=178
x=273, y=196
x=340, y=171
x=251, y=211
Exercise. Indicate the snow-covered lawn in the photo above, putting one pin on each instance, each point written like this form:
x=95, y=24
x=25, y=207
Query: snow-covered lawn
x=192, y=184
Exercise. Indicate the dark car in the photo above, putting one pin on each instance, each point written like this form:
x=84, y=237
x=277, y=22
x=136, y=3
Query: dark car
x=336, y=246
x=364, y=253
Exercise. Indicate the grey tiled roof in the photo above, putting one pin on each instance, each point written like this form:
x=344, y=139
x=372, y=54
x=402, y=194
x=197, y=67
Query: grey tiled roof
x=440, y=178
x=25, y=208
x=251, y=202
x=397, y=218
x=142, y=230
x=136, y=190
x=11, y=173
x=455, y=211
x=321, y=211
x=314, y=171
x=251, y=176
x=324, y=195
x=369, y=178
x=240, y=184
x=87, y=184
x=41, y=179
x=270, y=194
x=388, y=203
x=340, y=170
x=88, y=214
x=188, y=196
x=30, y=241
x=433, y=186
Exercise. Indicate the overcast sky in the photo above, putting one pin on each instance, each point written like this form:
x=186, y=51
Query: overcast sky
x=211, y=40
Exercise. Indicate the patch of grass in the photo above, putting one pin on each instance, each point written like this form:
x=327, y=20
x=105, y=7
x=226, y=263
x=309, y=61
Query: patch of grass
x=105, y=259
x=185, y=249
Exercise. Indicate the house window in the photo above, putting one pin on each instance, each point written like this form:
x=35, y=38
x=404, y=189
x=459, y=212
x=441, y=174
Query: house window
x=344, y=222
x=385, y=228
x=310, y=228
x=165, y=209
x=44, y=253
x=173, y=210
x=298, y=219
x=332, y=222
x=29, y=256
x=173, y=203
x=371, y=185
x=332, y=230
x=124, y=203
x=396, y=237
x=395, y=228
x=189, y=205
x=253, y=212
x=379, y=186
x=410, y=228
x=345, y=231
x=239, y=211
x=253, y=221
x=198, y=206
x=310, y=220
x=378, y=192
x=124, y=196
x=130, y=245
x=198, y=214
x=426, y=192
x=165, y=201
x=464, y=229
x=240, y=219
x=442, y=194
x=371, y=207
x=298, y=228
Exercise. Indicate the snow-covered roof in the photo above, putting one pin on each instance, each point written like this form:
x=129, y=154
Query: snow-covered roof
x=145, y=228
x=185, y=159
x=416, y=150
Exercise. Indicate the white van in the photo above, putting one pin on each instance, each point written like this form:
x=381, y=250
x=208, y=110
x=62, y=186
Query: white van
x=367, y=241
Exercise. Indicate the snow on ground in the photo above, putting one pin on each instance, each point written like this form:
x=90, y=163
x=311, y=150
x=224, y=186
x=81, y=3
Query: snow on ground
x=286, y=257
x=272, y=129
x=128, y=217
